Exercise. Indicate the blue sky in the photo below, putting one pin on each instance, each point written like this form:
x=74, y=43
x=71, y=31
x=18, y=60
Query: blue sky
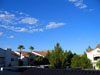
x=75, y=24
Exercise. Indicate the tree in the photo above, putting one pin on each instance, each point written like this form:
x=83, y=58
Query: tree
x=29, y=55
x=81, y=61
x=56, y=57
x=89, y=47
x=85, y=62
x=39, y=60
x=98, y=64
x=20, y=47
x=48, y=54
x=31, y=48
x=69, y=57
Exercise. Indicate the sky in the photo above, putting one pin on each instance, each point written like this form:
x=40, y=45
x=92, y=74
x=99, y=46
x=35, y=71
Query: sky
x=75, y=24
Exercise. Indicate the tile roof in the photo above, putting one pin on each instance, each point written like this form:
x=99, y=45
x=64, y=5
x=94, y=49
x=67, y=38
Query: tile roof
x=23, y=53
x=14, y=53
x=89, y=50
x=41, y=53
x=36, y=53
x=98, y=46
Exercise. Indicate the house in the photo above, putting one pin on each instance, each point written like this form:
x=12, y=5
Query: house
x=25, y=58
x=94, y=55
x=8, y=57
x=11, y=58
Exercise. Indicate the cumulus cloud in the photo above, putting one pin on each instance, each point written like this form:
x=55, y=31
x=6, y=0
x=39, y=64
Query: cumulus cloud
x=54, y=25
x=29, y=20
x=21, y=22
x=8, y=18
x=11, y=37
x=79, y=3
x=72, y=0
x=20, y=29
x=1, y=33
x=13, y=22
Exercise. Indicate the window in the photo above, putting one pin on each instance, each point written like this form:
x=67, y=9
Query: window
x=96, y=58
x=12, y=59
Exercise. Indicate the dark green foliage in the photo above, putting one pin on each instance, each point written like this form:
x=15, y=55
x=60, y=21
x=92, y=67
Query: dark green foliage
x=81, y=61
x=89, y=47
x=69, y=57
x=39, y=60
x=98, y=64
x=20, y=47
x=29, y=54
x=57, y=58
x=31, y=48
x=76, y=62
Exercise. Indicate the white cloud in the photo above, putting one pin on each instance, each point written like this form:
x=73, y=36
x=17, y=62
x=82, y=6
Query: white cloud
x=11, y=37
x=7, y=18
x=18, y=18
x=29, y=20
x=83, y=6
x=1, y=33
x=54, y=25
x=21, y=22
x=19, y=29
x=72, y=0
x=79, y=3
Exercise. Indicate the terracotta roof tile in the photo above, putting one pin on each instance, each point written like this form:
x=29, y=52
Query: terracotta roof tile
x=14, y=53
x=89, y=50
x=23, y=53
x=98, y=46
x=42, y=53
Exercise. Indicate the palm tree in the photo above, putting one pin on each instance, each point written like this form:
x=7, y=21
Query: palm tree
x=31, y=48
x=28, y=54
x=20, y=47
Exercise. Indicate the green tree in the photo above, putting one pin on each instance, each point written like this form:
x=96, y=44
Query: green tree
x=81, y=61
x=30, y=60
x=48, y=55
x=69, y=57
x=76, y=61
x=98, y=64
x=39, y=60
x=85, y=62
x=89, y=47
x=31, y=48
x=29, y=55
x=56, y=57
x=20, y=47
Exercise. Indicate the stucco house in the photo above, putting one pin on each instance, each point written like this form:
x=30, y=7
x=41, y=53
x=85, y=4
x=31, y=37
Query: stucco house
x=25, y=58
x=11, y=58
x=8, y=57
x=94, y=55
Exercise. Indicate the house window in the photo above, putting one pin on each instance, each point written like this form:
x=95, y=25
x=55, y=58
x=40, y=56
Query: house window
x=12, y=59
x=96, y=58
